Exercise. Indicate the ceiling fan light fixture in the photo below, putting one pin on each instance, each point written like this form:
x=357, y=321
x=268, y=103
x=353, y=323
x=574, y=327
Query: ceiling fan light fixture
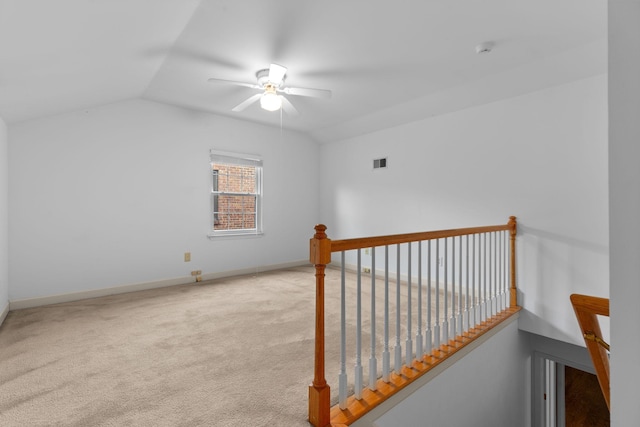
x=271, y=81
x=270, y=100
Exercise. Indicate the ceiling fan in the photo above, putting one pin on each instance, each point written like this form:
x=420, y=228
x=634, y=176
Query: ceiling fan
x=270, y=82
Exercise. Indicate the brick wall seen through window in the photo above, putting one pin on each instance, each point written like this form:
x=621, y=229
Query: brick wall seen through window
x=235, y=193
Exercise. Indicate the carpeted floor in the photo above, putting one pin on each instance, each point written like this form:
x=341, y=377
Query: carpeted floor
x=230, y=352
x=233, y=352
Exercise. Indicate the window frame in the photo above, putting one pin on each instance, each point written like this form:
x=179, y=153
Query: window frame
x=235, y=159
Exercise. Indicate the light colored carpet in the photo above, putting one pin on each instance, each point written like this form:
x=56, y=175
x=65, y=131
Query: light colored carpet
x=234, y=352
x=230, y=352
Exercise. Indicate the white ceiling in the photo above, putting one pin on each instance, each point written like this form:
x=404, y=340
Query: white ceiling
x=386, y=62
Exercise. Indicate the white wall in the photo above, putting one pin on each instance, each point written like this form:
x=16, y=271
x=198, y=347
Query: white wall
x=541, y=157
x=4, y=219
x=115, y=195
x=488, y=387
x=624, y=204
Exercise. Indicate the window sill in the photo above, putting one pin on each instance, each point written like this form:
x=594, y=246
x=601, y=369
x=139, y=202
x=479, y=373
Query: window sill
x=234, y=235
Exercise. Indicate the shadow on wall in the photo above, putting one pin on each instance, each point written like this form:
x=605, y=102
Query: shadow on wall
x=569, y=241
x=558, y=265
x=552, y=267
x=546, y=328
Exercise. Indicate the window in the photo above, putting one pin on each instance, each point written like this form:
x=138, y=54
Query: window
x=236, y=194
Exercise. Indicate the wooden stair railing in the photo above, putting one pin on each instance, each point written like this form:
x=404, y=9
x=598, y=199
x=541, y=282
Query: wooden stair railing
x=587, y=308
x=321, y=248
x=319, y=391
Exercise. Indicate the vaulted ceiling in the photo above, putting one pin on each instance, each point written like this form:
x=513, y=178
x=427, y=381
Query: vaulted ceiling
x=386, y=62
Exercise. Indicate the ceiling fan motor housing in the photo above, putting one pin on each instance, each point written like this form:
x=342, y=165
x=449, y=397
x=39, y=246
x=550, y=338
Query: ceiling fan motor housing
x=263, y=79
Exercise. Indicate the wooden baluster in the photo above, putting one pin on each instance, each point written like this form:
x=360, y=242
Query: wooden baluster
x=513, y=290
x=490, y=276
x=479, y=278
x=502, y=269
x=467, y=320
x=506, y=269
x=452, y=320
x=436, y=327
x=409, y=341
x=342, y=376
x=499, y=271
x=445, y=321
x=485, y=298
x=496, y=265
x=474, y=314
x=492, y=269
x=419, y=344
x=398, y=347
x=358, y=366
x=460, y=329
x=319, y=391
x=428, y=333
x=373, y=361
x=386, y=356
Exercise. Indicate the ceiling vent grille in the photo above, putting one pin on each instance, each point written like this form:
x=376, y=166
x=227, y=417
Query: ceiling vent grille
x=380, y=163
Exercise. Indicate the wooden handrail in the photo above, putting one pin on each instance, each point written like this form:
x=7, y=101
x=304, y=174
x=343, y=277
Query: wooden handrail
x=320, y=249
x=586, y=309
x=369, y=242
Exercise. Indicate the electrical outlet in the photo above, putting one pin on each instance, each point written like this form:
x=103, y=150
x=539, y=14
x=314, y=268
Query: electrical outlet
x=366, y=270
x=187, y=256
x=196, y=272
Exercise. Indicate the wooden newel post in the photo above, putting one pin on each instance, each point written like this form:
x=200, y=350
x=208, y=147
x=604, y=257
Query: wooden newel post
x=513, y=301
x=319, y=392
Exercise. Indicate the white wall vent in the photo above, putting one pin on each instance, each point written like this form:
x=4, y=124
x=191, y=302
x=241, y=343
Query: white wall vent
x=380, y=163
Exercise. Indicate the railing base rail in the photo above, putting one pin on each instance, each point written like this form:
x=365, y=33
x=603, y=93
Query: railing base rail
x=356, y=409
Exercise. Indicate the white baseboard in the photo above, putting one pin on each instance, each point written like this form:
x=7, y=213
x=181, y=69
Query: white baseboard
x=254, y=270
x=3, y=313
x=94, y=293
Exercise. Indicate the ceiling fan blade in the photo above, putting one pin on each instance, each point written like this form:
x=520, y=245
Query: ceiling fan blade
x=251, y=85
x=303, y=91
x=288, y=106
x=276, y=73
x=193, y=54
x=244, y=104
